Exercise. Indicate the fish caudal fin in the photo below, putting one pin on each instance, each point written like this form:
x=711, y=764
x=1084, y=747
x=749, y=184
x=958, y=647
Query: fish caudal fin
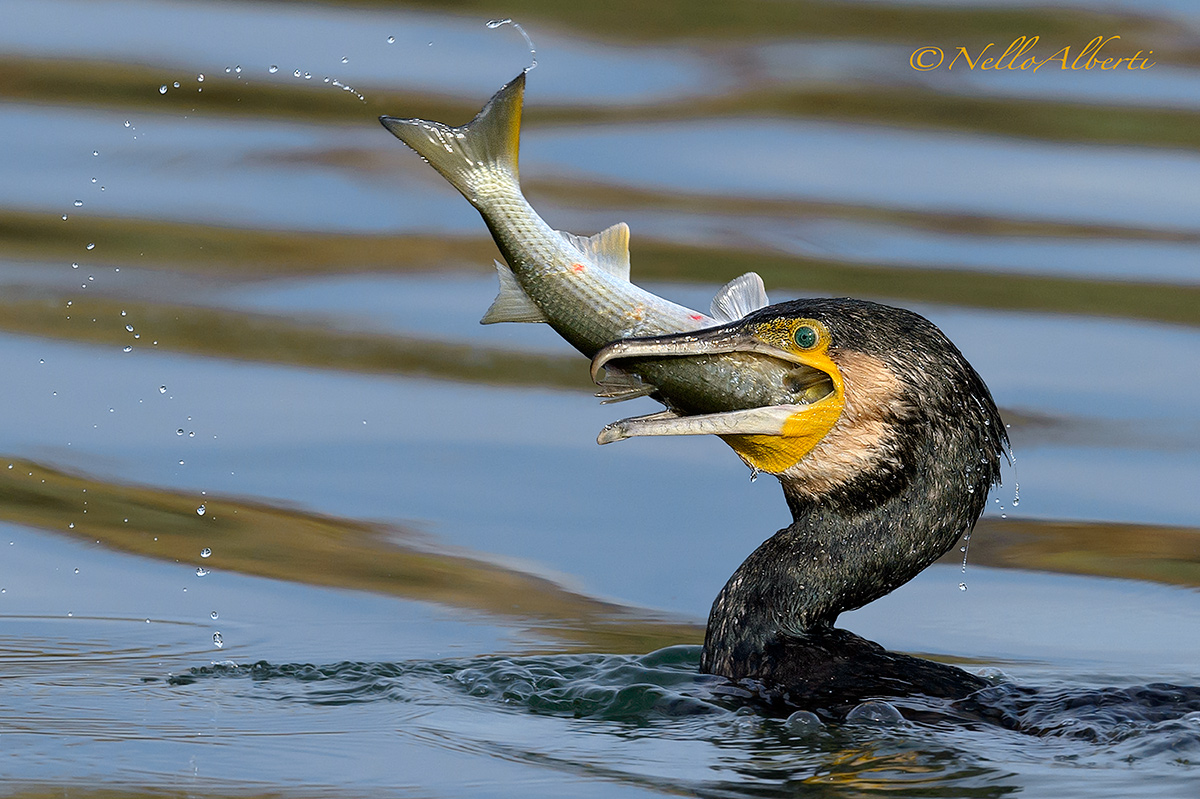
x=489, y=142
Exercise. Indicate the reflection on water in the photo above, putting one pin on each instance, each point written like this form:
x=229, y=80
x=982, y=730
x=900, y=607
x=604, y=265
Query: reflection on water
x=266, y=308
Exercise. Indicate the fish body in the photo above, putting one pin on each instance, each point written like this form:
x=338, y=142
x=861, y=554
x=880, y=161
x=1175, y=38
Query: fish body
x=580, y=285
x=767, y=400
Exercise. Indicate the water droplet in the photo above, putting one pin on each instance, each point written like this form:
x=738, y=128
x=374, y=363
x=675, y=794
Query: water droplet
x=875, y=711
x=129, y=328
x=200, y=78
x=962, y=586
x=238, y=69
x=345, y=60
x=91, y=245
x=127, y=123
x=391, y=40
x=69, y=614
x=192, y=434
x=496, y=23
x=200, y=512
x=71, y=526
x=93, y=180
x=129, y=349
x=218, y=641
x=77, y=571
x=78, y=203
x=64, y=217
x=296, y=74
x=95, y=152
x=201, y=571
x=213, y=614
x=162, y=89
x=308, y=76
x=803, y=722
x=181, y=463
x=272, y=69
x=175, y=84
x=162, y=389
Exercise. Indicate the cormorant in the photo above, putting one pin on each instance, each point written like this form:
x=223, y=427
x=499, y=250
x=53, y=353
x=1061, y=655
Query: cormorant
x=884, y=438
x=888, y=481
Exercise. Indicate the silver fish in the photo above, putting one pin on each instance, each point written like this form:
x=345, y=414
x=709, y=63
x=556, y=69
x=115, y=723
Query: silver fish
x=580, y=286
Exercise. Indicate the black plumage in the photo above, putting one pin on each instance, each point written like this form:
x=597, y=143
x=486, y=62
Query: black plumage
x=924, y=484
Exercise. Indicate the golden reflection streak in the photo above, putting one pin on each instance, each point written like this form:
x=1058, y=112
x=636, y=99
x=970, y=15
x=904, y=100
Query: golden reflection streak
x=1146, y=552
x=265, y=541
x=171, y=246
x=236, y=335
x=120, y=86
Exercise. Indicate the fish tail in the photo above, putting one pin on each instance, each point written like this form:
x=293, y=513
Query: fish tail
x=486, y=145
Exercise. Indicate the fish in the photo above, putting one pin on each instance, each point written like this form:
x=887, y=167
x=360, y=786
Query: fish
x=580, y=286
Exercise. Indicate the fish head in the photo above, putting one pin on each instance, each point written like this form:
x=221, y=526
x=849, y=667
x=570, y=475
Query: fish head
x=773, y=375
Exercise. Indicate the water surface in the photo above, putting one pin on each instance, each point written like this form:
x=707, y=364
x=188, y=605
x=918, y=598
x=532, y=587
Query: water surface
x=278, y=517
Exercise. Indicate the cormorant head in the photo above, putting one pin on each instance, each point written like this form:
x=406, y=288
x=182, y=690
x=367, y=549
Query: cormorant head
x=873, y=397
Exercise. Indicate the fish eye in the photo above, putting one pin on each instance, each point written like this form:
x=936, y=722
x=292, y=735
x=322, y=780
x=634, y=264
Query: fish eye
x=806, y=337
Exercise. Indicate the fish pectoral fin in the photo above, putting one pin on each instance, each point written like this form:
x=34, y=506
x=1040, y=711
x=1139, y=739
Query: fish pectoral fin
x=512, y=304
x=739, y=297
x=619, y=385
x=608, y=249
x=767, y=421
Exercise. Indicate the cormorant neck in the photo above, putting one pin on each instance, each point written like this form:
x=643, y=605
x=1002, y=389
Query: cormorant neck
x=843, y=550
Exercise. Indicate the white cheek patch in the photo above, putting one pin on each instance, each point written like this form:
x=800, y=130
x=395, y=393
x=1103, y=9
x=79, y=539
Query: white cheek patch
x=860, y=440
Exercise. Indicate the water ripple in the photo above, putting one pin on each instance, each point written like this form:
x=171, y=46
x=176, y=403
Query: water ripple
x=659, y=689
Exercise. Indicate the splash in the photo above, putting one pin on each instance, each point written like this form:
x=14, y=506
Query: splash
x=496, y=23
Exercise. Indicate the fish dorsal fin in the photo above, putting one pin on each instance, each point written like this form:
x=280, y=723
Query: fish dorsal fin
x=738, y=297
x=609, y=249
x=512, y=304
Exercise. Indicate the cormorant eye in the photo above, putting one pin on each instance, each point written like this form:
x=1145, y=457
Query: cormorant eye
x=806, y=337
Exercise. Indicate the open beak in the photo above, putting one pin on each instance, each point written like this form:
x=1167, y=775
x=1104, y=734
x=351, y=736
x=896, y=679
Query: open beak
x=710, y=341
x=771, y=438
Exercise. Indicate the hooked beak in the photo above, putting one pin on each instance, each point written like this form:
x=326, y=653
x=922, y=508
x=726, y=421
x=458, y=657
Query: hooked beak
x=710, y=341
x=772, y=438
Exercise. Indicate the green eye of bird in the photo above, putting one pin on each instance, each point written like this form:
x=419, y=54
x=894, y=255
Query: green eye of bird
x=806, y=337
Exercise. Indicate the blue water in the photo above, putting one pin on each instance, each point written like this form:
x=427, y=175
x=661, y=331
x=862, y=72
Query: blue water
x=112, y=677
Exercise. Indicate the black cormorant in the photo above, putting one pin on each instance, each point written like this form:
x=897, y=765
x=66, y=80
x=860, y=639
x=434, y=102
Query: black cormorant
x=884, y=485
